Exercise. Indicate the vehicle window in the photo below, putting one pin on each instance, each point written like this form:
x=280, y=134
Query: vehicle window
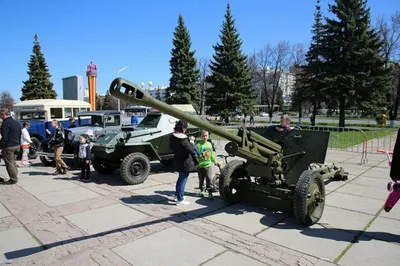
x=88, y=109
x=150, y=121
x=31, y=115
x=68, y=112
x=114, y=121
x=83, y=109
x=96, y=120
x=56, y=113
x=76, y=111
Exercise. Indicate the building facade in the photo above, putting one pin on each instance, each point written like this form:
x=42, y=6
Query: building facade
x=73, y=89
x=153, y=91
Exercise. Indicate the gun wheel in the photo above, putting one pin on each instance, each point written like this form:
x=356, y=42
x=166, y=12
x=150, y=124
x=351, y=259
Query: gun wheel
x=135, y=168
x=229, y=181
x=309, y=198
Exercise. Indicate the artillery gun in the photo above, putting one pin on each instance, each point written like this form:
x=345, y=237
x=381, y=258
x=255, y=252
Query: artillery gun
x=282, y=171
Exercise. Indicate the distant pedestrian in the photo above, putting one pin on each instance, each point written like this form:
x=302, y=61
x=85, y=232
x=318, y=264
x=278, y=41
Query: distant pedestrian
x=184, y=159
x=57, y=142
x=9, y=144
x=134, y=119
x=85, y=156
x=252, y=119
x=71, y=122
x=25, y=144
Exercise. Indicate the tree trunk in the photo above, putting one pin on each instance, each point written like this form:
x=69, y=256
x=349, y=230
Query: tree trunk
x=314, y=113
x=300, y=113
x=342, y=102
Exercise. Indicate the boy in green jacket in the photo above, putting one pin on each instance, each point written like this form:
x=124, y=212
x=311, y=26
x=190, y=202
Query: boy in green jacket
x=206, y=161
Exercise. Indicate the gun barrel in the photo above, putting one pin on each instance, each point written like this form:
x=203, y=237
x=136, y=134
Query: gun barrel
x=135, y=95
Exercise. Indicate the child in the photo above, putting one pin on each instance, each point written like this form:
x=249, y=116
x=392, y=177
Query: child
x=84, y=155
x=25, y=144
x=206, y=161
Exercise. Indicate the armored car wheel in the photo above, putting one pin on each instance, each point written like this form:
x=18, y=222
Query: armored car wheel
x=229, y=184
x=309, y=198
x=46, y=161
x=135, y=168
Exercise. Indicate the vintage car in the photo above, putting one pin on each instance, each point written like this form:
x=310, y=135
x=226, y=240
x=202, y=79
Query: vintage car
x=100, y=122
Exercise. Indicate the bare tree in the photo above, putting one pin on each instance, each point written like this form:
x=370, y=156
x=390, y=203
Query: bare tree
x=389, y=30
x=268, y=66
x=203, y=66
x=6, y=100
x=298, y=59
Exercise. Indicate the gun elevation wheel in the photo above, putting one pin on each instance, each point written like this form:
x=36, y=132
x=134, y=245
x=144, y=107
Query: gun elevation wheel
x=309, y=198
x=229, y=181
x=135, y=168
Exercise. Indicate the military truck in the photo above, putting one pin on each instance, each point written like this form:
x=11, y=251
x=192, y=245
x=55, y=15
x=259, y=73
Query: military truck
x=100, y=122
x=132, y=149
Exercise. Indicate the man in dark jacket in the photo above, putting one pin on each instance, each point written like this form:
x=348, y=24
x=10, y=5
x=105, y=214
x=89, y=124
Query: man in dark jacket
x=57, y=142
x=395, y=168
x=10, y=143
x=184, y=159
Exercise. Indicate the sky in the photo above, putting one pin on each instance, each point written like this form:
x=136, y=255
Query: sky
x=139, y=34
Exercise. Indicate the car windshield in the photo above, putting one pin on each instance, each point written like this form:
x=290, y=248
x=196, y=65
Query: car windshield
x=106, y=138
x=150, y=121
x=95, y=121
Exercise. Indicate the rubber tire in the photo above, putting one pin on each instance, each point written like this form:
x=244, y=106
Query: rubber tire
x=307, y=178
x=225, y=179
x=36, y=143
x=214, y=185
x=102, y=169
x=47, y=162
x=125, y=168
x=167, y=163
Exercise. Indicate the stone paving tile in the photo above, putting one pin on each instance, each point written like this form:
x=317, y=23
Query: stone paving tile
x=154, y=193
x=66, y=196
x=378, y=173
x=354, y=203
x=166, y=178
x=379, y=193
x=4, y=212
x=49, y=186
x=105, y=218
x=172, y=246
x=148, y=183
x=370, y=182
x=244, y=218
x=315, y=240
x=16, y=243
x=333, y=184
x=353, y=221
x=232, y=259
x=385, y=229
x=200, y=206
x=393, y=214
x=371, y=252
x=9, y=222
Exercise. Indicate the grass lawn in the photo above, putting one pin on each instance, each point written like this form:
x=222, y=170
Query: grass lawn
x=342, y=140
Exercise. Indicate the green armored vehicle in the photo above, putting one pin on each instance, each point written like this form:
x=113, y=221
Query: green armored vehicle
x=132, y=149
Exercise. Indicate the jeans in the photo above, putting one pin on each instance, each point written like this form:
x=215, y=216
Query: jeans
x=180, y=185
x=85, y=168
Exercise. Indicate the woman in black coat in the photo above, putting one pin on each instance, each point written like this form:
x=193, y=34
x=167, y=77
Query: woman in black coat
x=184, y=159
x=395, y=168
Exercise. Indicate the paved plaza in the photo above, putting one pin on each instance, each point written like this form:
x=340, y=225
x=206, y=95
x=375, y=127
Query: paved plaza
x=47, y=220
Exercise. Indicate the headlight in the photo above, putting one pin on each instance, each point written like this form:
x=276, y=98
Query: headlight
x=71, y=136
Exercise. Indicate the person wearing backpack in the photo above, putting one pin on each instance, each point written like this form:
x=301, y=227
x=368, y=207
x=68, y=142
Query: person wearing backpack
x=57, y=142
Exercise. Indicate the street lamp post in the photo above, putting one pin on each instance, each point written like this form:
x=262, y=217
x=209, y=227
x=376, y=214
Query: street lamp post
x=119, y=71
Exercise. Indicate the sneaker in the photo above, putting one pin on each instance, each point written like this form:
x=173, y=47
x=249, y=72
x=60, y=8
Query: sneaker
x=57, y=172
x=183, y=202
x=210, y=196
x=201, y=194
x=176, y=198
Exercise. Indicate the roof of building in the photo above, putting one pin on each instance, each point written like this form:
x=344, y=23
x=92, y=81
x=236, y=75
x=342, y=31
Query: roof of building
x=52, y=102
x=100, y=112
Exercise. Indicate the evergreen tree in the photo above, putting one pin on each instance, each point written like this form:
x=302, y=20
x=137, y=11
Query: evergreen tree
x=355, y=71
x=38, y=85
x=312, y=73
x=230, y=78
x=109, y=103
x=183, y=84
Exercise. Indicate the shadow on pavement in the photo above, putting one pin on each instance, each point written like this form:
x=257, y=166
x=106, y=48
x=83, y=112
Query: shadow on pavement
x=337, y=234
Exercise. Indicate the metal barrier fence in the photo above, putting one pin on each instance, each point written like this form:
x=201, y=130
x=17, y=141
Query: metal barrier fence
x=351, y=139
